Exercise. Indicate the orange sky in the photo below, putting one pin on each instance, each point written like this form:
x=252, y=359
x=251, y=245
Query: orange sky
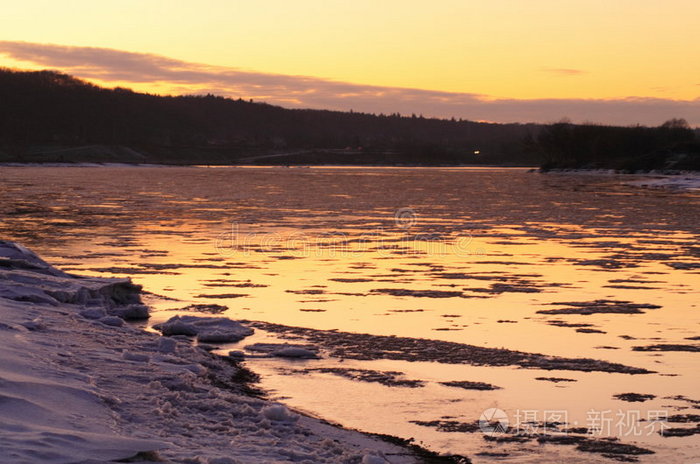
x=495, y=49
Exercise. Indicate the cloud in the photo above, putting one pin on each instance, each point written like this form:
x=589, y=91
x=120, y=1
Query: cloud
x=564, y=71
x=117, y=66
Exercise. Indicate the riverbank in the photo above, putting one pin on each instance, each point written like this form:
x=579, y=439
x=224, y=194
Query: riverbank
x=83, y=382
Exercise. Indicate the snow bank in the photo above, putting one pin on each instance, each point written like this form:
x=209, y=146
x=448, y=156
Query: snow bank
x=79, y=385
x=26, y=277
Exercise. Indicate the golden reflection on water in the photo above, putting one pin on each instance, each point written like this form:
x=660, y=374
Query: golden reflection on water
x=319, y=248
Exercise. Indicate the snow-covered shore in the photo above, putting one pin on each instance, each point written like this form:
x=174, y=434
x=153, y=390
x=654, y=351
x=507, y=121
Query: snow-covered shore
x=78, y=384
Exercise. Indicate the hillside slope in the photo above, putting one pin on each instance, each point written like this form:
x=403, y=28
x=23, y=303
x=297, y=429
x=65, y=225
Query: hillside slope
x=49, y=116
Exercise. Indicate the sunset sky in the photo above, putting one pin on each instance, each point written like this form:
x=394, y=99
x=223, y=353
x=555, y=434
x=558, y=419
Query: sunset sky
x=618, y=61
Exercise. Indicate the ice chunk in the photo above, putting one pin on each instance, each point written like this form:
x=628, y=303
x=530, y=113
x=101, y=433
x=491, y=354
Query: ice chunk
x=93, y=313
x=19, y=292
x=113, y=321
x=176, y=326
x=196, y=369
x=15, y=256
x=27, y=278
x=279, y=413
x=138, y=357
x=132, y=312
x=222, y=460
x=220, y=336
x=34, y=324
x=167, y=345
x=373, y=459
x=294, y=352
x=206, y=329
x=285, y=350
x=206, y=347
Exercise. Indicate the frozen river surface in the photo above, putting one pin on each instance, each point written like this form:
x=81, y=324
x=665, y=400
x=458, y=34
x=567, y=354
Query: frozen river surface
x=433, y=297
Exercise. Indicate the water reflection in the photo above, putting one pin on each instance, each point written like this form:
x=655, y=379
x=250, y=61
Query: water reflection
x=462, y=255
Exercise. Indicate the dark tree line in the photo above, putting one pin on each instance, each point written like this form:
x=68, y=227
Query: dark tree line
x=49, y=108
x=673, y=145
x=47, y=116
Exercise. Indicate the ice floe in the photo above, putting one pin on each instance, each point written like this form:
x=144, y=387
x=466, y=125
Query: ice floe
x=206, y=329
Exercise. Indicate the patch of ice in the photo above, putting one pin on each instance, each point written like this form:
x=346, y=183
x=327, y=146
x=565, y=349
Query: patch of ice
x=34, y=324
x=138, y=357
x=131, y=312
x=293, y=352
x=176, y=326
x=206, y=329
x=196, y=369
x=279, y=413
x=374, y=459
x=690, y=182
x=27, y=278
x=285, y=350
x=15, y=256
x=221, y=336
x=222, y=461
x=93, y=313
x=167, y=345
x=112, y=321
x=26, y=293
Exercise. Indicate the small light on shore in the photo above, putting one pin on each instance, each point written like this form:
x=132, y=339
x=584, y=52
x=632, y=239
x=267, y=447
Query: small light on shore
x=477, y=152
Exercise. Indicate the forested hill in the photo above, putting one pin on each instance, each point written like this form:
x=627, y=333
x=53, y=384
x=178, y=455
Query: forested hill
x=46, y=116
x=45, y=112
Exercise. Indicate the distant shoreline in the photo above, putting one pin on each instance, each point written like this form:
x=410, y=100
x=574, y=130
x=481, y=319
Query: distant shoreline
x=262, y=166
x=573, y=171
